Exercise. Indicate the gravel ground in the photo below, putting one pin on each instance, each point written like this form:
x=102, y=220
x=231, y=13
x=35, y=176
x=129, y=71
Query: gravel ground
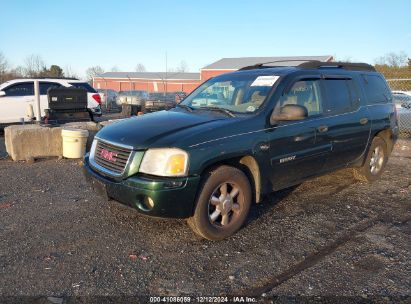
x=332, y=237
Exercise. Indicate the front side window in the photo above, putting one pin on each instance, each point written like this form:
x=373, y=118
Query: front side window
x=20, y=89
x=306, y=93
x=236, y=93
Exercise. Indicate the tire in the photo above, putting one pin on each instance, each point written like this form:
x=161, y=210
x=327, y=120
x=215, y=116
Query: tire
x=373, y=167
x=218, y=215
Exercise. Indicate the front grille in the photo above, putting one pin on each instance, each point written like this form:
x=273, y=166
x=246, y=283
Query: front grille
x=111, y=157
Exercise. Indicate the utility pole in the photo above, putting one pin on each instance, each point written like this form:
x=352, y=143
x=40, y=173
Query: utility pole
x=166, y=77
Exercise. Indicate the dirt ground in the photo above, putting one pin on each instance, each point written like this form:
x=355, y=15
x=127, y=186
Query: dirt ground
x=332, y=239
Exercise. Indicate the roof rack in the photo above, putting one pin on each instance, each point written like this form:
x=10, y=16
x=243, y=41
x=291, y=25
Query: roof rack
x=341, y=65
x=315, y=64
x=263, y=64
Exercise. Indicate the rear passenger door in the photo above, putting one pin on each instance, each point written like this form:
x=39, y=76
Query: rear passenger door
x=347, y=124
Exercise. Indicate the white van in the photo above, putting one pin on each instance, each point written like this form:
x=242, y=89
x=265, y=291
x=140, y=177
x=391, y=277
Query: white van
x=17, y=95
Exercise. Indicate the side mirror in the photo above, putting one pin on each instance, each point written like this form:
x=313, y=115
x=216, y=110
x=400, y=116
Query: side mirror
x=289, y=112
x=2, y=93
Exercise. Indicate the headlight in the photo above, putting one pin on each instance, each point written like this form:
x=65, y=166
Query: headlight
x=165, y=162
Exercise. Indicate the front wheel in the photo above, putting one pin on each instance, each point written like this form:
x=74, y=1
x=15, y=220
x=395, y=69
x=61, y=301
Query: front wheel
x=375, y=162
x=222, y=204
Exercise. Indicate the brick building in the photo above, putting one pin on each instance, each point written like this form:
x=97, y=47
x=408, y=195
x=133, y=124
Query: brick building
x=187, y=82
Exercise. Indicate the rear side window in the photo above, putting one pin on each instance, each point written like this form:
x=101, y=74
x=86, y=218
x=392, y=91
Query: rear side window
x=340, y=95
x=83, y=85
x=20, y=89
x=376, y=89
x=44, y=86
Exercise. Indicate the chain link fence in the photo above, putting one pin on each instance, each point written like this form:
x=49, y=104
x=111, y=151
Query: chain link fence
x=401, y=89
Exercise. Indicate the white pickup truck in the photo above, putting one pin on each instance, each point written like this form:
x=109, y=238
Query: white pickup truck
x=17, y=95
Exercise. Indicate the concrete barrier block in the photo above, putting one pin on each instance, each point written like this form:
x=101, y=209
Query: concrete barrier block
x=24, y=142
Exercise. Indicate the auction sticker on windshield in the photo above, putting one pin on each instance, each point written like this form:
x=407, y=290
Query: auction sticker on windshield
x=264, y=81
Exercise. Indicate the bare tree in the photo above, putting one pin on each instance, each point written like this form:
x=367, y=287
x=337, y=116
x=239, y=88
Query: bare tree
x=393, y=59
x=140, y=68
x=94, y=71
x=69, y=72
x=183, y=67
x=115, y=69
x=4, y=66
x=34, y=66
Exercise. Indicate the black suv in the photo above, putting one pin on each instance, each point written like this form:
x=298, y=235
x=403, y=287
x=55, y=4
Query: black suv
x=242, y=135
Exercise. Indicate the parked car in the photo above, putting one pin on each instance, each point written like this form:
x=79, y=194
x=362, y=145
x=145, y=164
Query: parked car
x=108, y=97
x=401, y=92
x=266, y=129
x=158, y=101
x=16, y=95
x=403, y=105
x=134, y=97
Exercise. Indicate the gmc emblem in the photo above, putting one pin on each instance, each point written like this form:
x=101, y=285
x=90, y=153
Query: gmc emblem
x=107, y=155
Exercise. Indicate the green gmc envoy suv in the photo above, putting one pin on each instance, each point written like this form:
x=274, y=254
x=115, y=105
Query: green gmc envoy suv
x=242, y=135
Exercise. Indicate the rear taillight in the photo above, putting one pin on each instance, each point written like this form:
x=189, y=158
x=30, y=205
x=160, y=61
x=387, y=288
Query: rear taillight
x=97, y=98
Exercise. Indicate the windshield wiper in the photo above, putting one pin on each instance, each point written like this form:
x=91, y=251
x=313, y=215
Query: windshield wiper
x=188, y=108
x=224, y=110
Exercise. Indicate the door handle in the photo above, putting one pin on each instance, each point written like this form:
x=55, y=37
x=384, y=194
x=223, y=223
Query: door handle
x=364, y=121
x=322, y=129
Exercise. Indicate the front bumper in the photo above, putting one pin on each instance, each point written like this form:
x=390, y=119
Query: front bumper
x=173, y=198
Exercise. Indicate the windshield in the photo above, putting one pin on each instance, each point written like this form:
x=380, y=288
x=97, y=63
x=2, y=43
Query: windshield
x=236, y=93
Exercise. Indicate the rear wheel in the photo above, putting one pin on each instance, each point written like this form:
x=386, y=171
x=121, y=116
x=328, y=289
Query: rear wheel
x=375, y=162
x=222, y=204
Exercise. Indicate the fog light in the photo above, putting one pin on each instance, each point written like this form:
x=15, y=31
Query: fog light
x=144, y=203
x=150, y=202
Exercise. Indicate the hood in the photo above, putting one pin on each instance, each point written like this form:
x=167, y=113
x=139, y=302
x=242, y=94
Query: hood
x=142, y=131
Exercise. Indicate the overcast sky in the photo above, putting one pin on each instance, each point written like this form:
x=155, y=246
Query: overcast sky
x=80, y=33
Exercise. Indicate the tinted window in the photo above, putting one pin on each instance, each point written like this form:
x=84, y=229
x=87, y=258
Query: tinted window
x=376, y=89
x=339, y=95
x=44, y=86
x=83, y=85
x=21, y=89
x=305, y=93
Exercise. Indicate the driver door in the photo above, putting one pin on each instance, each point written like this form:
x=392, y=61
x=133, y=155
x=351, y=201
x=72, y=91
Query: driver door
x=297, y=148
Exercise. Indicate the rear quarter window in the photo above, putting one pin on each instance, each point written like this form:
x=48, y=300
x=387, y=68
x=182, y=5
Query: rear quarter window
x=44, y=86
x=83, y=85
x=376, y=89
